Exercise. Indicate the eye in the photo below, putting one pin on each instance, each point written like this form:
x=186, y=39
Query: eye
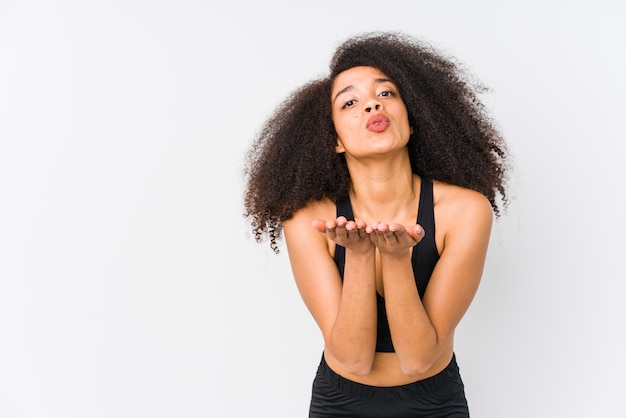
x=387, y=93
x=347, y=104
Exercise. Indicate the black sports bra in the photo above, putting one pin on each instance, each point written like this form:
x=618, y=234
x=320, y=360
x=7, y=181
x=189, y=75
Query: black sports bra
x=424, y=257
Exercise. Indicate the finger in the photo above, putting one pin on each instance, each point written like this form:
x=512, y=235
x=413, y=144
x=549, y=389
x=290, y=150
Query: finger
x=362, y=230
x=361, y=224
x=319, y=225
x=351, y=226
x=391, y=237
x=342, y=221
x=386, y=232
x=341, y=230
x=347, y=228
x=371, y=228
x=395, y=233
x=331, y=228
x=416, y=232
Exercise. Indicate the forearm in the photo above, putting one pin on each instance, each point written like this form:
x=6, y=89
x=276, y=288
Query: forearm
x=414, y=337
x=354, y=333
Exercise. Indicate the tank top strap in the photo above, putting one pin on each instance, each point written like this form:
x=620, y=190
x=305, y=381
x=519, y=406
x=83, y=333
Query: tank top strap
x=344, y=208
x=426, y=211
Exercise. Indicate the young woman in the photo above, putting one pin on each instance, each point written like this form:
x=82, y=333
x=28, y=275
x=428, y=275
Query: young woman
x=384, y=178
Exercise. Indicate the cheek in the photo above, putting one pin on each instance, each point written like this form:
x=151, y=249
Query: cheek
x=345, y=122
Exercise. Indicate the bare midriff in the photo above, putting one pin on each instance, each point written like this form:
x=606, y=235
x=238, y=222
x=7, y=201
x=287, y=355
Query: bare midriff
x=386, y=370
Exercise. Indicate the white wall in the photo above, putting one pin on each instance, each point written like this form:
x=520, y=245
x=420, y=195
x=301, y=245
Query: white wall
x=129, y=284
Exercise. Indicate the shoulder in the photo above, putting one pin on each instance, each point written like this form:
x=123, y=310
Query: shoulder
x=451, y=200
x=299, y=228
x=311, y=252
x=316, y=209
x=459, y=210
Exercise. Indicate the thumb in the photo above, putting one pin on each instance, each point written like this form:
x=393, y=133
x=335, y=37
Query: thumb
x=416, y=232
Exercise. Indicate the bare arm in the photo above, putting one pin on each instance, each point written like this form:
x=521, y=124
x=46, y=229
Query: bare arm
x=421, y=329
x=345, y=312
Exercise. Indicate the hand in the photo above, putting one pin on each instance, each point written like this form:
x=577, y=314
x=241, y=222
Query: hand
x=349, y=234
x=394, y=238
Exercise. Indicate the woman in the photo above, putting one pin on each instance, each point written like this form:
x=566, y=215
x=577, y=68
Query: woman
x=384, y=178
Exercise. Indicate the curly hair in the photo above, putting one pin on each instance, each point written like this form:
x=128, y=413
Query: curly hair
x=293, y=161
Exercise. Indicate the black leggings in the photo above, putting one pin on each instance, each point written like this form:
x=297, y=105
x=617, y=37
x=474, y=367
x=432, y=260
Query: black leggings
x=441, y=395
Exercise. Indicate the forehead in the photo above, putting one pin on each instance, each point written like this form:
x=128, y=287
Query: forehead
x=356, y=75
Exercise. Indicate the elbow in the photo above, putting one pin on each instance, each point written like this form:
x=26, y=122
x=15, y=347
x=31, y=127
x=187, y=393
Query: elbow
x=415, y=368
x=356, y=359
x=356, y=365
x=358, y=368
x=417, y=362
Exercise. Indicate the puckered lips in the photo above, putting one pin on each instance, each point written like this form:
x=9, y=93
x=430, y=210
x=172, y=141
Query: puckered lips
x=377, y=123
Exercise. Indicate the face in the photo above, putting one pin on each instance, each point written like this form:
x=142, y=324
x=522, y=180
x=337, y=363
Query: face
x=368, y=112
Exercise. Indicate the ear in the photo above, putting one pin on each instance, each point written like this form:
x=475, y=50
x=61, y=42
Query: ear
x=411, y=130
x=339, y=147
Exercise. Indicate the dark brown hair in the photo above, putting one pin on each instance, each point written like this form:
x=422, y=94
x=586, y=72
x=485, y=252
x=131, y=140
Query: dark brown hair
x=293, y=161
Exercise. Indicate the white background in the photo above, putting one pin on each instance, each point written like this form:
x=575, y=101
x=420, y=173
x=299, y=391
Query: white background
x=129, y=283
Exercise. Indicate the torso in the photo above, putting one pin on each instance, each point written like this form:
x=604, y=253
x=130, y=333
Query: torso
x=449, y=201
x=424, y=256
x=386, y=370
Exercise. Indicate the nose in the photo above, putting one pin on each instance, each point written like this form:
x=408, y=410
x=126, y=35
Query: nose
x=376, y=106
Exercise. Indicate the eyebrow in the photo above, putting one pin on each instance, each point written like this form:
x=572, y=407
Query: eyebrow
x=350, y=87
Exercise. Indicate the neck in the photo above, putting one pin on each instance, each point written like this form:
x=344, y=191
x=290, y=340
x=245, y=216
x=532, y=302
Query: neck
x=383, y=191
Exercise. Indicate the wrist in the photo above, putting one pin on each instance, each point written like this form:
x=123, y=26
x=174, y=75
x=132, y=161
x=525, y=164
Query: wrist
x=400, y=256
